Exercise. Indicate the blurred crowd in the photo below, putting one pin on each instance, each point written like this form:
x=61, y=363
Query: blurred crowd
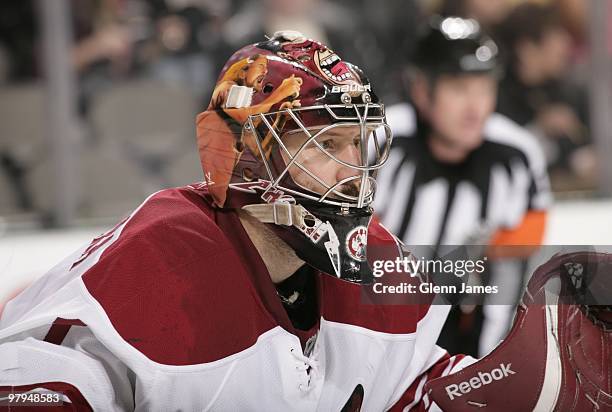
x=126, y=51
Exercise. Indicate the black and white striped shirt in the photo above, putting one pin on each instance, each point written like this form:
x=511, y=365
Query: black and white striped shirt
x=426, y=202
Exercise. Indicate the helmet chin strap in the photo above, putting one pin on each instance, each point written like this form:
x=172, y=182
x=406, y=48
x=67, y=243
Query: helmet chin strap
x=329, y=244
x=279, y=213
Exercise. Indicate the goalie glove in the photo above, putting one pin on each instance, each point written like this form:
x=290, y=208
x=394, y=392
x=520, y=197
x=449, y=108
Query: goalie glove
x=558, y=354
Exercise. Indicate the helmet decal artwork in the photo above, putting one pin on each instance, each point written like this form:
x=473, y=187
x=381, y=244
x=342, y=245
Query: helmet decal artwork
x=284, y=113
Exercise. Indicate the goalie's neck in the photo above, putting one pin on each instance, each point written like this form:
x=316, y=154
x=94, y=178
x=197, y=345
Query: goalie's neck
x=280, y=259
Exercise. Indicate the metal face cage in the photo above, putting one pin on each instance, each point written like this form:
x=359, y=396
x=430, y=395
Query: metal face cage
x=374, y=151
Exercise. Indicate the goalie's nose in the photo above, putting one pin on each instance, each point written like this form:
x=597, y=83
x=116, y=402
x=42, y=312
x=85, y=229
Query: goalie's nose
x=351, y=155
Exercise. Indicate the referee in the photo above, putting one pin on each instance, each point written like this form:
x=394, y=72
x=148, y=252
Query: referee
x=458, y=174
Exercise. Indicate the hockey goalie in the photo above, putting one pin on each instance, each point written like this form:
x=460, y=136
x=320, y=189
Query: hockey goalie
x=244, y=292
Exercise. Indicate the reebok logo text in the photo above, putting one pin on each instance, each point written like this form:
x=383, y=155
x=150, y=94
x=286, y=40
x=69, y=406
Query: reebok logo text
x=484, y=378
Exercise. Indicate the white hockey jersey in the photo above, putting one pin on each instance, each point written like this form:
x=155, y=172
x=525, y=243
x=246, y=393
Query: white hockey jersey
x=173, y=309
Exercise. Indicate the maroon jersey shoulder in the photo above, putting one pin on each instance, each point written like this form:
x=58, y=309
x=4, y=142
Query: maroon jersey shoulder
x=166, y=281
x=381, y=243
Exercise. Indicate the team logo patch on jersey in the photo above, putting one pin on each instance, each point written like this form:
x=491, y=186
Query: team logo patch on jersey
x=356, y=243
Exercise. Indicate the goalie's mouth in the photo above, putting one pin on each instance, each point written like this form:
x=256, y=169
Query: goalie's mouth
x=333, y=68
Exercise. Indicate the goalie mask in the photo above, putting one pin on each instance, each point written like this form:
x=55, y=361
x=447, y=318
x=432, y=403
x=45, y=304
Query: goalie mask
x=294, y=135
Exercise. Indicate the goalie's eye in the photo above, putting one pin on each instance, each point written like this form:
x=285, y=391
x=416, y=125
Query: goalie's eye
x=328, y=144
x=335, y=143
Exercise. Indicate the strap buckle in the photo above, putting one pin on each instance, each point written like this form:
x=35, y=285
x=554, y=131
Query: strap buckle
x=275, y=214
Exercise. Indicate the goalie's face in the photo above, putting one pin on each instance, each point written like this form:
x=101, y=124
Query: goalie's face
x=331, y=162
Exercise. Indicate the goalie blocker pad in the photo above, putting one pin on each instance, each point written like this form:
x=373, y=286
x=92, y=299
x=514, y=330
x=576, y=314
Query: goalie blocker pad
x=558, y=354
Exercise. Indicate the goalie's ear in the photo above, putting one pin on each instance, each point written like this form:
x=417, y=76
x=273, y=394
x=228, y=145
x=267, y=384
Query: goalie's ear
x=557, y=355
